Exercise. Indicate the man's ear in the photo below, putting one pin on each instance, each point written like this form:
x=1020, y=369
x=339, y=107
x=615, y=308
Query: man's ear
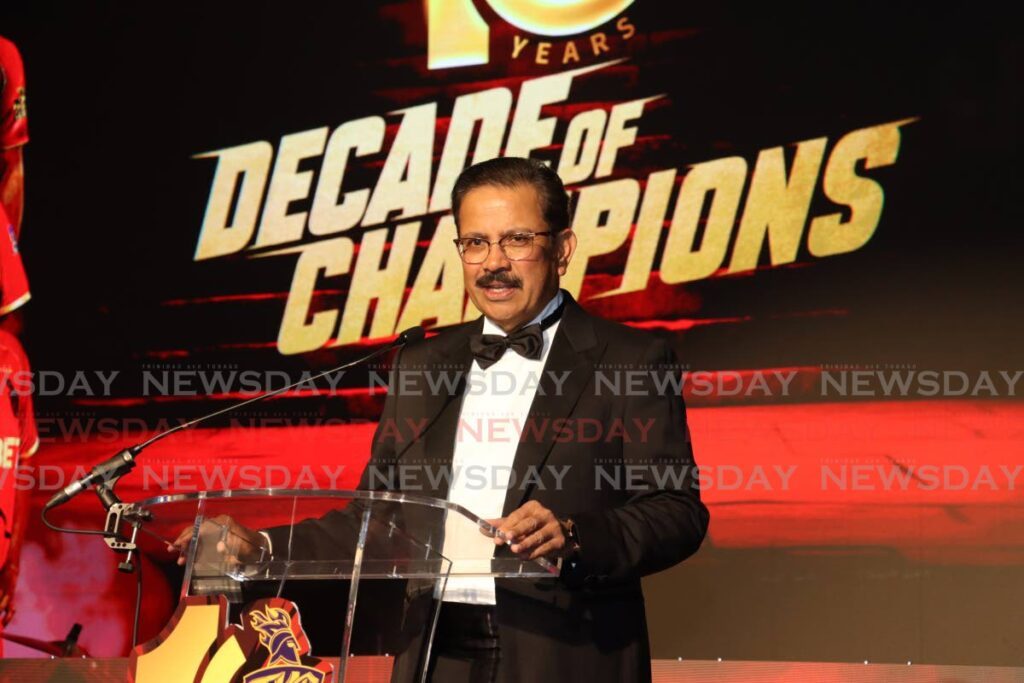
x=565, y=247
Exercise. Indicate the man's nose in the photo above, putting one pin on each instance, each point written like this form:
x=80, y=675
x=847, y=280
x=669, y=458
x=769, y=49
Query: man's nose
x=496, y=259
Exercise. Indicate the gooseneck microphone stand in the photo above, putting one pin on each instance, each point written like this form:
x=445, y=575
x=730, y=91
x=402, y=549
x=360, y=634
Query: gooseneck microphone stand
x=104, y=476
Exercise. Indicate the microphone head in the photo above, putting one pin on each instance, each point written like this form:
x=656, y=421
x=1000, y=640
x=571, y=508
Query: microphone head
x=411, y=336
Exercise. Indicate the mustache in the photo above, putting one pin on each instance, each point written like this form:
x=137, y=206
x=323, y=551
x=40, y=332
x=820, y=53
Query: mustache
x=498, y=278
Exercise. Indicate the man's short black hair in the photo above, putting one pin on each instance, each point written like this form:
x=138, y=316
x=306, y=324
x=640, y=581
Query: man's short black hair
x=512, y=172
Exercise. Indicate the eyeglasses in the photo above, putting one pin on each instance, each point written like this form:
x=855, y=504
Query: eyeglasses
x=516, y=247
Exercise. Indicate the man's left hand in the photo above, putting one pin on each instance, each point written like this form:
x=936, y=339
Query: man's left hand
x=533, y=531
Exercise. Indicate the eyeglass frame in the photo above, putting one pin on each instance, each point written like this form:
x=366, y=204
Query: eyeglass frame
x=498, y=241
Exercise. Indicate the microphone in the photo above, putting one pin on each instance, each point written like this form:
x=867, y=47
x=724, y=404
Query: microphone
x=124, y=461
x=413, y=335
x=105, y=471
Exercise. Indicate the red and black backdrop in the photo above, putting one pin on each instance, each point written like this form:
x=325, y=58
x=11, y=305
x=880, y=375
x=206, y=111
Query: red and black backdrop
x=799, y=197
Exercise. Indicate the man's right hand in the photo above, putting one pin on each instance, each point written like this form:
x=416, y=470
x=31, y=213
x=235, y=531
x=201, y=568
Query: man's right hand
x=235, y=542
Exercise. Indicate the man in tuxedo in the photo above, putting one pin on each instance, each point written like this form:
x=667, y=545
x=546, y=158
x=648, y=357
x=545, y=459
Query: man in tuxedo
x=608, y=509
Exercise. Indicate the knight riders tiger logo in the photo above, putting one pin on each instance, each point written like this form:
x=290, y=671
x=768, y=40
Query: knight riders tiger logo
x=268, y=646
x=277, y=633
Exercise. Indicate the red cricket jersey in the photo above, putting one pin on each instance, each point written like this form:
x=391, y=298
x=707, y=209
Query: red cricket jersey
x=13, y=114
x=13, y=282
x=19, y=439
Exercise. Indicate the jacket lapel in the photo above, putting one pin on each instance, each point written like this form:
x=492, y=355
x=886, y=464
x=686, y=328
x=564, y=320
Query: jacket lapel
x=574, y=350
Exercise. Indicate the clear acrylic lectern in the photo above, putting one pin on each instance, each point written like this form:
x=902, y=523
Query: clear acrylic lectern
x=384, y=557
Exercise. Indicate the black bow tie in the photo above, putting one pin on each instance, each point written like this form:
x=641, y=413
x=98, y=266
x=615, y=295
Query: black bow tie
x=527, y=341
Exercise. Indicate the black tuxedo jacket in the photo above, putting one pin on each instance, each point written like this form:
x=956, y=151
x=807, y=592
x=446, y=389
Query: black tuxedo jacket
x=615, y=432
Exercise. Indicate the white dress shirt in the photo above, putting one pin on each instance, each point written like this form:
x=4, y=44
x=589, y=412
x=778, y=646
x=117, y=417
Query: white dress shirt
x=495, y=406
